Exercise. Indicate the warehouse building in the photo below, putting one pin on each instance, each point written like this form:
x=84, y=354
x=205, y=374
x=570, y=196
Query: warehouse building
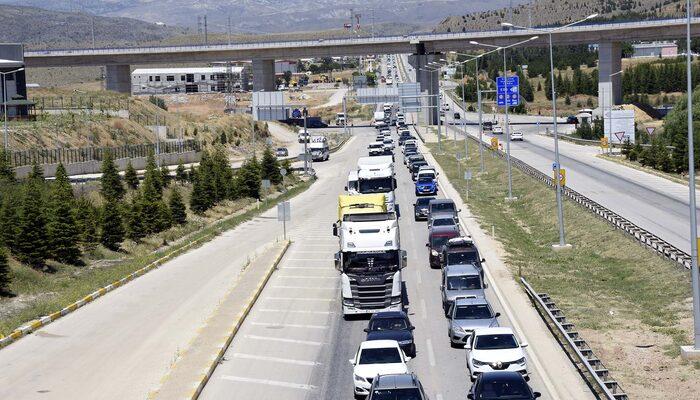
x=13, y=86
x=190, y=80
x=655, y=49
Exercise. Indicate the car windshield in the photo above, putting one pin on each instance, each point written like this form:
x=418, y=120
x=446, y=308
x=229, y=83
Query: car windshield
x=417, y=157
x=425, y=179
x=387, y=355
x=443, y=222
x=438, y=207
x=495, y=342
x=388, y=324
x=378, y=185
x=464, y=282
x=397, y=394
x=438, y=241
x=464, y=257
x=477, y=311
x=497, y=388
x=423, y=201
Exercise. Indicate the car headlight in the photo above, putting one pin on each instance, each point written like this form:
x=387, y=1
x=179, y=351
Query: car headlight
x=348, y=302
x=359, y=378
x=479, y=364
x=458, y=329
x=434, y=253
x=520, y=361
x=405, y=342
x=395, y=300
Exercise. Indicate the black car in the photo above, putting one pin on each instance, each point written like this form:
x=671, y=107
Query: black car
x=415, y=166
x=282, y=152
x=462, y=251
x=392, y=325
x=420, y=208
x=501, y=385
x=456, y=115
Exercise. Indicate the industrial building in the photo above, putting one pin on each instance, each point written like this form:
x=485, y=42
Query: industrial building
x=655, y=49
x=217, y=79
x=13, y=84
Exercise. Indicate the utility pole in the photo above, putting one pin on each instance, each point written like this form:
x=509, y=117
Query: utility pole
x=229, y=30
x=93, y=33
x=206, y=38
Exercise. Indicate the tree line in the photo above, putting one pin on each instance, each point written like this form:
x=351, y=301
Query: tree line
x=42, y=220
x=657, y=77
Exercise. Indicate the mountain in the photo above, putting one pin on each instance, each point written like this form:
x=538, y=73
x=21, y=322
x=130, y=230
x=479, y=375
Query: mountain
x=270, y=16
x=39, y=28
x=559, y=12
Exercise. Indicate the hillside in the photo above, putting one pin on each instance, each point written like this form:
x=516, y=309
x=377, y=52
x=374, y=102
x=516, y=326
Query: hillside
x=39, y=28
x=269, y=16
x=551, y=12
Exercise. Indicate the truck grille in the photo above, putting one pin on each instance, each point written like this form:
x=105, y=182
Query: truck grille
x=371, y=291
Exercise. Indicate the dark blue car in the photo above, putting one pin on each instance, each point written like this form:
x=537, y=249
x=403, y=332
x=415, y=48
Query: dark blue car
x=393, y=325
x=426, y=187
x=501, y=385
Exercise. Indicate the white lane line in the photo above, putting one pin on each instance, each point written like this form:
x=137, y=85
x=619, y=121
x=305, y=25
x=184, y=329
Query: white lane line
x=431, y=353
x=438, y=396
x=300, y=298
x=275, y=359
x=283, y=340
x=418, y=277
x=275, y=310
x=423, y=309
x=275, y=325
x=269, y=382
x=302, y=287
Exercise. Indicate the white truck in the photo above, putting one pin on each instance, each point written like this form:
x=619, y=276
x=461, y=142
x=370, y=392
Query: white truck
x=370, y=258
x=376, y=175
x=318, y=147
x=379, y=119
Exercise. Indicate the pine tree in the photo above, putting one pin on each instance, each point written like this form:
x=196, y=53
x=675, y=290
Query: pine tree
x=177, y=208
x=181, y=173
x=9, y=221
x=207, y=180
x=61, y=228
x=270, y=168
x=198, y=202
x=86, y=222
x=112, y=188
x=5, y=278
x=135, y=229
x=153, y=173
x=164, y=176
x=150, y=201
x=539, y=86
x=130, y=177
x=567, y=100
x=7, y=174
x=30, y=243
x=249, y=179
x=112, y=232
x=223, y=174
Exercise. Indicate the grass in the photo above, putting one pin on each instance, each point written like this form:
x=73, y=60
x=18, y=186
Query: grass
x=606, y=282
x=671, y=176
x=40, y=293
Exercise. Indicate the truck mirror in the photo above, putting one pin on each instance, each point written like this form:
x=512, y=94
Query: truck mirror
x=427, y=245
x=398, y=211
x=336, y=261
x=346, y=188
x=335, y=230
x=497, y=315
x=483, y=260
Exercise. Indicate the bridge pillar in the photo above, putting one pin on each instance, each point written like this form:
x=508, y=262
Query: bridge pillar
x=263, y=75
x=118, y=78
x=429, y=81
x=609, y=62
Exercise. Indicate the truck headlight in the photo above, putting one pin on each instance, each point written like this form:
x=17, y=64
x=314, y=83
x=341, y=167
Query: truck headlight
x=434, y=253
x=389, y=243
x=395, y=300
x=348, y=302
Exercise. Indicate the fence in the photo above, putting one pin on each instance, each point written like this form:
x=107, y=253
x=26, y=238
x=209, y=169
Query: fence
x=148, y=120
x=79, y=103
x=84, y=154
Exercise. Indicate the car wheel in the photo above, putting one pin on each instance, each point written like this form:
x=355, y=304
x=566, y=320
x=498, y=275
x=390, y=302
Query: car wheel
x=359, y=396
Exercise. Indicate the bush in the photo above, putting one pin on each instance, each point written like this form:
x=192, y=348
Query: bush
x=159, y=102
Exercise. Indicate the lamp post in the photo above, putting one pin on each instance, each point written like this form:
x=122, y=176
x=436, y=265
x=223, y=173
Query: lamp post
x=6, y=137
x=507, y=121
x=557, y=167
x=436, y=69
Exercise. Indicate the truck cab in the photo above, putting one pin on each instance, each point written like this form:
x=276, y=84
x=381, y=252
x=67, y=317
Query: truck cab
x=340, y=119
x=318, y=147
x=376, y=176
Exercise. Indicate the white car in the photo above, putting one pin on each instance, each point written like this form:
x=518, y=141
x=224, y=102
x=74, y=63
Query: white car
x=516, y=136
x=497, y=130
x=389, y=142
x=495, y=349
x=376, y=357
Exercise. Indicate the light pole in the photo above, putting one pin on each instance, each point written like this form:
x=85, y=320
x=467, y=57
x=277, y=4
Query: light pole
x=6, y=137
x=431, y=99
x=507, y=121
x=692, y=352
x=610, y=118
x=557, y=166
x=436, y=69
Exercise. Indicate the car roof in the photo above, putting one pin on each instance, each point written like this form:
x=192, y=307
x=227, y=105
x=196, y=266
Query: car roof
x=396, y=381
x=502, y=376
x=389, y=314
x=444, y=230
x=502, y=330
x=461, y=269
x=471, y=301
x=442, y=201
x=378, y=344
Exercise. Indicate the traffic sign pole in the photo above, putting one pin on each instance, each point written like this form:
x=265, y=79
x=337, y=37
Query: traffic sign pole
x=510, y=175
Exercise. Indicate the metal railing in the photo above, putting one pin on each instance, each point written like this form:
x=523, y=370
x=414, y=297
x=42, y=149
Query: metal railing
x=598, y=375
x=84, y=154
x=79, y=103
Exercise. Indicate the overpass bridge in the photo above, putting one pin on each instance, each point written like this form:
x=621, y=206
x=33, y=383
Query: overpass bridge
x=425, y=47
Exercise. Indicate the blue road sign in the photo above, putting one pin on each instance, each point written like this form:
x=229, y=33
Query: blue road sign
x=508, y=90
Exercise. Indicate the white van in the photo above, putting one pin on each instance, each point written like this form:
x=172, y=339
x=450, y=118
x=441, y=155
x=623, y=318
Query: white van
x=318, y=147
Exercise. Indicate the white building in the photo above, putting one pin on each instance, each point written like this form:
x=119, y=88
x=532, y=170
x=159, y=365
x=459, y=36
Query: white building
x=655, y=49
x=189, y=80
x=282, y=66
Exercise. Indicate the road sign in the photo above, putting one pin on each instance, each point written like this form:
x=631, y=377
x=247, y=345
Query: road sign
x=562, y=176
x=284, y=214
x=620, y=136
x=494, y=143
x=283, y=171
x=296, y=113
x=265, y=183
x=508, y=91
x=554, y=166
x=650, y=130
x=467, y=175
x=604, y=142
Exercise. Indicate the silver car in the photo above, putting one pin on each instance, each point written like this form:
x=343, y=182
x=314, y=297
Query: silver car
x=467, y=315
x=460, y=281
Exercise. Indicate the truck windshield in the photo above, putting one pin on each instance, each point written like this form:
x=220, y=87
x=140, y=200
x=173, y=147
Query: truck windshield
x=359, y=263
x=368, y=217
x=378, y=185
x=463, y=257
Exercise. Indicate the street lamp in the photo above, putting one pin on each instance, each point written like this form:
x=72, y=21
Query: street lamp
x=6, y=138
x=507, y=121
x=692, y=352
x=557, y=166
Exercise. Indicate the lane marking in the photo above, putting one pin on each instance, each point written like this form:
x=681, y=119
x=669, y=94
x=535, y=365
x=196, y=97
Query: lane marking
x=275, y=359
x=277, y=326
x=438, y=396
x=418, y=277
x=296, y=311
x=423, y=309
x=269, y=382
x=283, y=340
x=431, y=353
x=300, y=298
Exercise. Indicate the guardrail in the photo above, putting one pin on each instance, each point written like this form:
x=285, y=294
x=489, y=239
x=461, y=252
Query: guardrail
x=598, y=375
x=642, y=235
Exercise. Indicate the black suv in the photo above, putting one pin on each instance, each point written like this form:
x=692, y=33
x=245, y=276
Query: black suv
x=393, y=325
x=501, y=385
x=397, y=387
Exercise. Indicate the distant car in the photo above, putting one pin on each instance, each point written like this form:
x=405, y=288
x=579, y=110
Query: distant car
x=397, y=387
x=392, y=325
x=462, y=250
x=456, y=116
x=460, y=281
x=426, y=186
x=376, y=357
x=495, y=349
x=282, y=152
x=487, y=125
x=516, y=136
x=414, y=167
x=412, y=158
x=572, y=119
x=444, y=221
x=466, y=315
x=420, y=208
x=497, y=130
x=442, y=207
x=501, y=385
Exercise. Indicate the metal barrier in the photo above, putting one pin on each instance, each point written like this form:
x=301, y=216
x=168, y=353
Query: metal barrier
x=599, y=375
